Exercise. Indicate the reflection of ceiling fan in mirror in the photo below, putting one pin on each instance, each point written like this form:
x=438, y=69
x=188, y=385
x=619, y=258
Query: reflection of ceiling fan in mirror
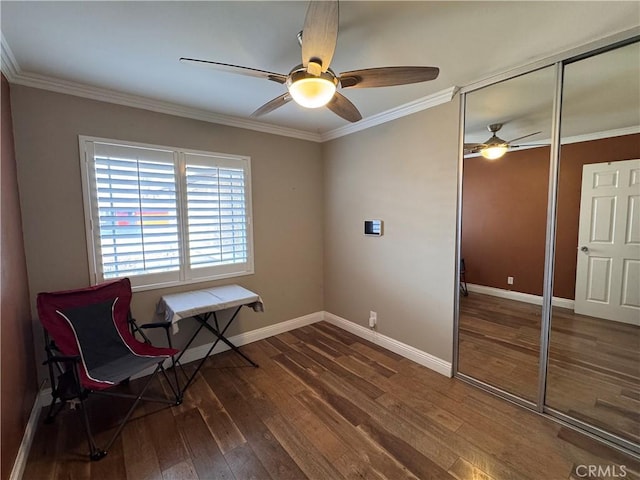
x=313, y=84
x=495, y=147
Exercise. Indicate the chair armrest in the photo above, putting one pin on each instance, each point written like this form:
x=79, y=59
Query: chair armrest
x=135, y=328
x=155, y=325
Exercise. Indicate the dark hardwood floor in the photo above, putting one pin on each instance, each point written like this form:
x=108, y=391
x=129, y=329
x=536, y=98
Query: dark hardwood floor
x=499, y=343
x=324, y=404
x=594, y=372
x=594, y=364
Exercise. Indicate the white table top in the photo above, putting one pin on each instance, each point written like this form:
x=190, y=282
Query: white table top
x=176, y=306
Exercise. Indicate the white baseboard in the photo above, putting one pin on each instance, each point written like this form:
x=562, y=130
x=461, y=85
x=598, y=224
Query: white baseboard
x=27, y=439
x=199, y=352
x=423, y=358
x=519, y=296
x=249, y=337
x=407, y=351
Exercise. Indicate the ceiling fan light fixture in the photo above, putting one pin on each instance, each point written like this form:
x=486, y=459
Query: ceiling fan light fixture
x=312, y=84
x=495, y=146
x=493, y=152
x=310, y=91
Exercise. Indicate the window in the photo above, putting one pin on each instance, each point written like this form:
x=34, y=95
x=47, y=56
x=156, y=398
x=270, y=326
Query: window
x=165, y=216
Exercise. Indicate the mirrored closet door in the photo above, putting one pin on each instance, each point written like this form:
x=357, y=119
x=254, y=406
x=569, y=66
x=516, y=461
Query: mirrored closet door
x=502, y=240
x=549, y=240
x=593, y=372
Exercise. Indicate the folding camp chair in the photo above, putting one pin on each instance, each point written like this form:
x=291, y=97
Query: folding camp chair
x=463, y=279
x=92, y=349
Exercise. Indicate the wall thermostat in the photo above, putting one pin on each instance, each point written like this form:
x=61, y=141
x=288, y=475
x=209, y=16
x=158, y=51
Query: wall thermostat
x=373, y=227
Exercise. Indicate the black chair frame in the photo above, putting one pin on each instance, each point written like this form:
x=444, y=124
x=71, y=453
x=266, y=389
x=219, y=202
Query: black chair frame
x=66, y=388
x=463, y=280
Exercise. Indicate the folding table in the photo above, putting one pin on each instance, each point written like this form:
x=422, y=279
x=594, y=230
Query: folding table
x=203, y=305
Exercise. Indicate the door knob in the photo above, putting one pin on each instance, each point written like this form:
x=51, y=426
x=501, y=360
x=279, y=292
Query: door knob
x=584, y=249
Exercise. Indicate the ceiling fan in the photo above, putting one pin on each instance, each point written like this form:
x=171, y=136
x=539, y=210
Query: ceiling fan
x=495, y=147
x=313, y=84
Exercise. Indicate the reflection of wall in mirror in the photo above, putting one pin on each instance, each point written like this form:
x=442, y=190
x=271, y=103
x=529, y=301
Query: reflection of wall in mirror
x=504, y=214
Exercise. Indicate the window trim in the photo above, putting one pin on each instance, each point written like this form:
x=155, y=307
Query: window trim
x=89, y=202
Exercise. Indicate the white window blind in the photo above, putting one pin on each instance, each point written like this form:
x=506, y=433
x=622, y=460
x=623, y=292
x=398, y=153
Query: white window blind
x=216, y=215
x=165, y=216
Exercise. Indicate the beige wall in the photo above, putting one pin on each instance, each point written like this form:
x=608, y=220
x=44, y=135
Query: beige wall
x=309, y=203
x=287, y=200
x=18, y=377
x=405, y=173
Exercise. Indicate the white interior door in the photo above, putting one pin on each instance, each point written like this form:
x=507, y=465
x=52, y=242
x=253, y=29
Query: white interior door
x=608, y=269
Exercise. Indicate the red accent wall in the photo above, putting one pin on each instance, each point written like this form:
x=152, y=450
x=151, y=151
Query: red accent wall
x=504, y=213
x=18, y=373
x=503, y=219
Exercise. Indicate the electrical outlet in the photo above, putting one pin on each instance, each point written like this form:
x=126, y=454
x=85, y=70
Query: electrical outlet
x=509, y=280
x=373, y=319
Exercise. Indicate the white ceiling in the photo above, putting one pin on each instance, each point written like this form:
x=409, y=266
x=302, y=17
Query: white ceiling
x=134, y=47
x=601, y=95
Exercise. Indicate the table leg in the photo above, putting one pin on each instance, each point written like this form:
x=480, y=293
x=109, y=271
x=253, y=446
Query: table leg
x=216, y=331
x=204, y=322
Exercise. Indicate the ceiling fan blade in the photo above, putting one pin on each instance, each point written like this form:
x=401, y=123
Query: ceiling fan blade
x=272, y=105
x=387, y=76
x=320, y=34
x=524, y=136
x=527, y=145
x=469, y=146
x=341, y=106
x=226, y=67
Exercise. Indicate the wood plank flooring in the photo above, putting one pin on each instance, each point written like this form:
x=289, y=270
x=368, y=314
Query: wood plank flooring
x=594, y=372
x=499, y=342
x=594, y=364
x=324, y=404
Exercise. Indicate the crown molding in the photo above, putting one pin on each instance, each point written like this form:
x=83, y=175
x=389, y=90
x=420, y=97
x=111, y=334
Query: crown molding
x=587, y=137
x=8, y=64
x=418, y=105
x=136, y=101
x=15, y=75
